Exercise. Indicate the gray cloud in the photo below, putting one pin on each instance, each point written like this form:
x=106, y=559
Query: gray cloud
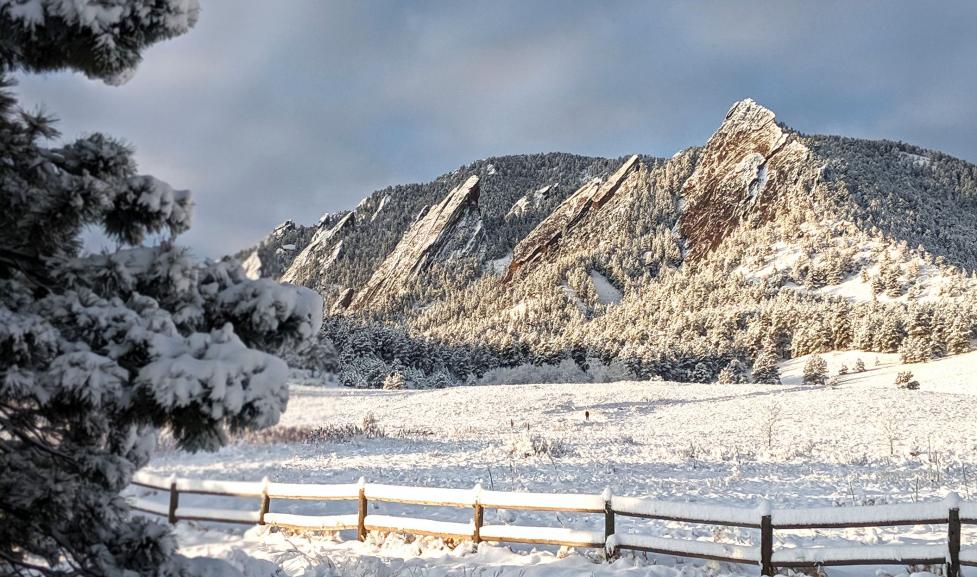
x=270, y=111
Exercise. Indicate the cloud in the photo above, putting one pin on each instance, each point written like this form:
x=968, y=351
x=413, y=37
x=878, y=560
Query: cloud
x=289, y=110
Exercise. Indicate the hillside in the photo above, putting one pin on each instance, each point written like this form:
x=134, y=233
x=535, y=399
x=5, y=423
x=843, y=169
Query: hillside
x=763, y=243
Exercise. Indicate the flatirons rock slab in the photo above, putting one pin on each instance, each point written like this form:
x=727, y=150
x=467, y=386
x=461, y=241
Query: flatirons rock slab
x=581, y=205
x=322, y=251
x=274, y=253
x=449, y=230
x=342, y=303
x=749, y=169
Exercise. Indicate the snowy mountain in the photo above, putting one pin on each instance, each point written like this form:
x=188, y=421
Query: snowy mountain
x=763, y=242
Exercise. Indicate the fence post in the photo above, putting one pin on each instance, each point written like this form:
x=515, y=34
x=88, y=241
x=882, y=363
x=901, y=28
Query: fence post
x=478, y=517
x=265, y=502
x=174, y=500
x=361, y=518
x=953, y=567
x=766, y=545
x=609, y=548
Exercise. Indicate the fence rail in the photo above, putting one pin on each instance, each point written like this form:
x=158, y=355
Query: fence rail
x=951, y=512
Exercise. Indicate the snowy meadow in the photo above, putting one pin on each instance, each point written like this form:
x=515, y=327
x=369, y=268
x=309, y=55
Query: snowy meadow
x=861, y=442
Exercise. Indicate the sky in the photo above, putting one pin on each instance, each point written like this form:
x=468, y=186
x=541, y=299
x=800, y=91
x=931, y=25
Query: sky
x=270, y=111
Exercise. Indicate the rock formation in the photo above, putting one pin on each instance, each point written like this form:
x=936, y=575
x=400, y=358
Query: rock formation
x=275, y=252
x=581, y=205
x=531, y=201
x=745, y=173
x=449, y=230
x=342, y=302
x=322, y=251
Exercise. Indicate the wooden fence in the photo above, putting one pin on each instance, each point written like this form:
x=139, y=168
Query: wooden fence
x=950, y=512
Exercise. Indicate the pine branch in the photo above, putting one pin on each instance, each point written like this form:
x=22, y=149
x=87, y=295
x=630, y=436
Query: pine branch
x=30, y=266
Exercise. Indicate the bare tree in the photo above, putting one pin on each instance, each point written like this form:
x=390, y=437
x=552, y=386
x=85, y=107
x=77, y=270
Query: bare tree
x=770, y=417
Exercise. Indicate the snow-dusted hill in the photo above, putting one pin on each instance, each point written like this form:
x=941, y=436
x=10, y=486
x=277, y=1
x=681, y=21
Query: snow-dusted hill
x=864, y=442
x=956, y=375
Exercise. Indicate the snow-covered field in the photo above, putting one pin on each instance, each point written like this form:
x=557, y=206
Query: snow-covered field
x=862, y=442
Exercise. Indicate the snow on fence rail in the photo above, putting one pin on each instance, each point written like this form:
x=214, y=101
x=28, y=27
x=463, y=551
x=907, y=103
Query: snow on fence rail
x=951, y=512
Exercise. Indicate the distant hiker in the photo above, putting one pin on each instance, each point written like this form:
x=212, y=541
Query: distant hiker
x=586, y=415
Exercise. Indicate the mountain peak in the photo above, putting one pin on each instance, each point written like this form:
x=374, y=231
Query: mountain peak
x=749, y=108
x=747, y=116
x=731, y=182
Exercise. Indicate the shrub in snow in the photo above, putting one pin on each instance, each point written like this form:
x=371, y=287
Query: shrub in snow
x=312, y=435
x=905, y=380
x=529, y=444
x=371, y=426
x=843, y=370
x=99, y=353
x=770, y=418
x=816, y=371
x=395, y=381
x=859, y=366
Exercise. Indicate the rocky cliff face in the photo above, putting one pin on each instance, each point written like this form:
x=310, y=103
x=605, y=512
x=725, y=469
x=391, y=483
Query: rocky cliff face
x=581, y=205
x=531, y=201
x=276, y=251
x=750, y=168
x=323, y=249
x=449, y=230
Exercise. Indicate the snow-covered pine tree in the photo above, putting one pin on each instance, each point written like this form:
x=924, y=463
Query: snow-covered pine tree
x=841, y=330
x=317, y=356
x=891, y=278
x=867, y=326
x=815, y=371
x=702, y=372
x=734, y=373
x=765, y=368
x=98, y=353
x=103, y=41
x=917, y=347
x=958, y=337
x=890, y=334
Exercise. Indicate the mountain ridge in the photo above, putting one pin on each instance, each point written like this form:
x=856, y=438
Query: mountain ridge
x=721, y=252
